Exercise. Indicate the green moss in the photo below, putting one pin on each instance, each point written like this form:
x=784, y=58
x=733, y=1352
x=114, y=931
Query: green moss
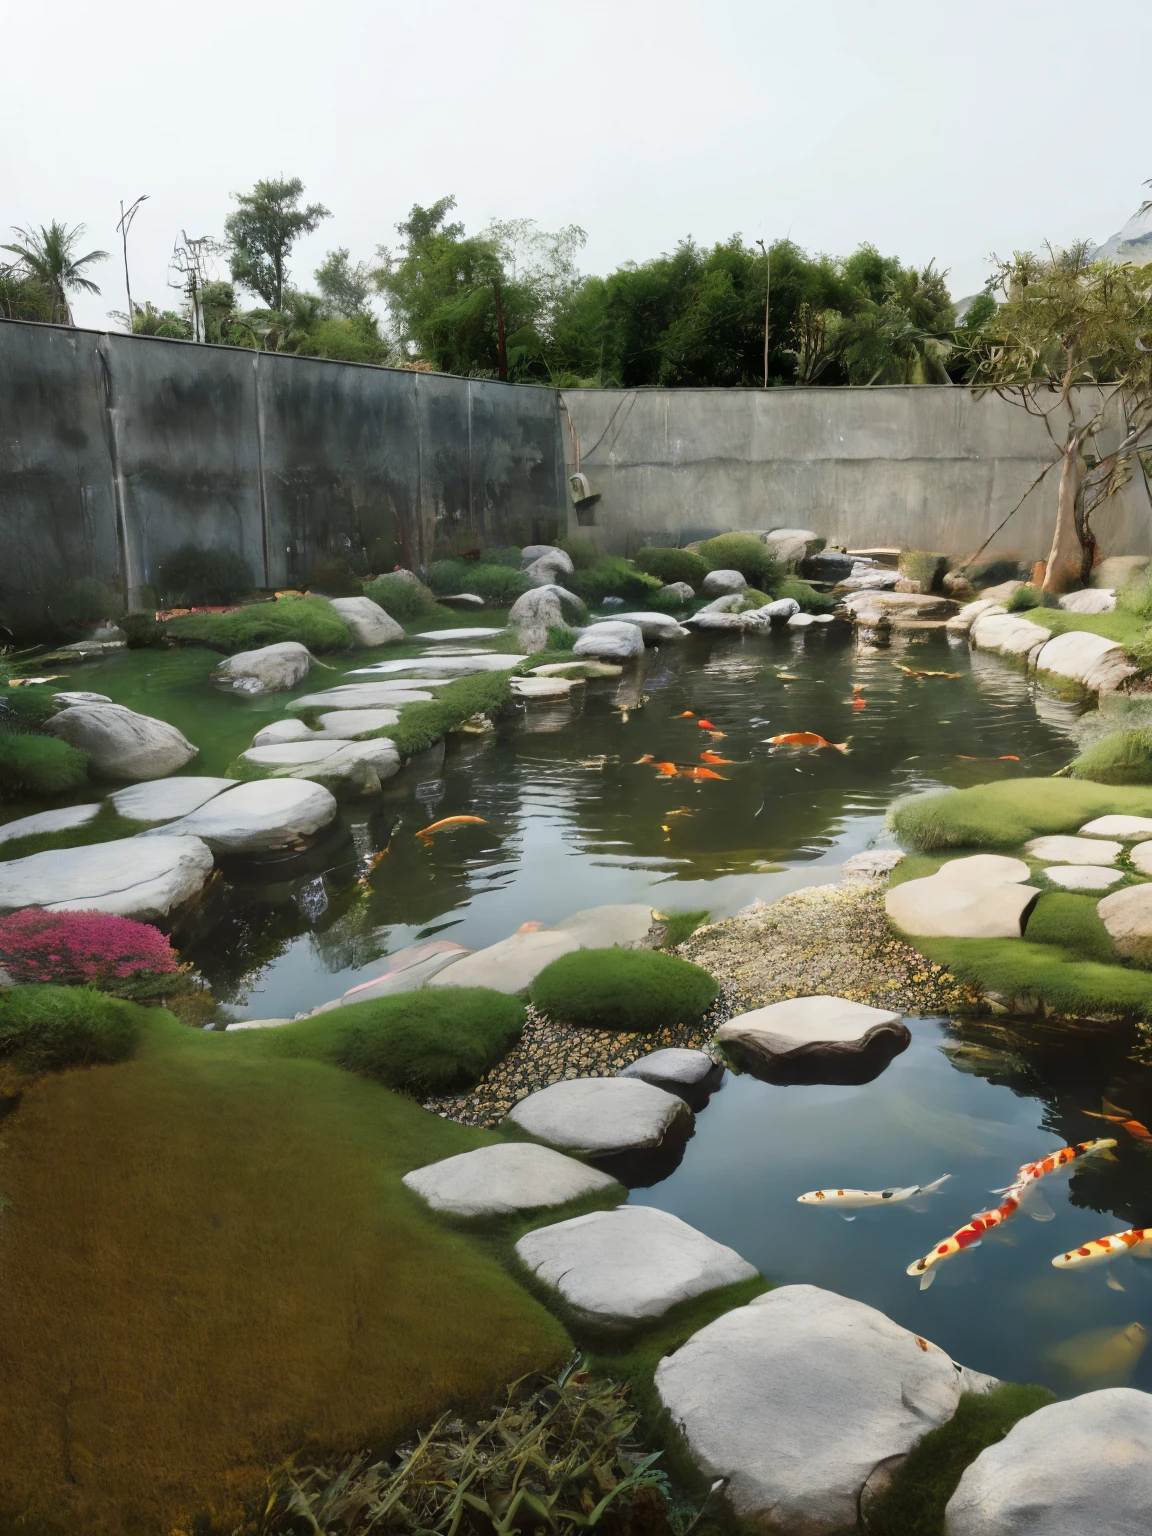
x=669, y=565
x=105, y=827
x=634, y=989
x=38, y=765
x=751, y=598
x=310, y=620
x=914, y=1503
x=613, y=577
x=1125, y=628
x=27, y=708
x=422, y=725
x=1070, y=920
x=403, y=600
x=496, y=584
x=1028, y=597
x=1006, y=814
x=668, y=601
x=807, y=596
x=583, y=553
x=1055, y=975
x=682, y=924
x=922, y=566
x=741, y=552
x=509, y=556
x=44, y=1028
x=1124, y=757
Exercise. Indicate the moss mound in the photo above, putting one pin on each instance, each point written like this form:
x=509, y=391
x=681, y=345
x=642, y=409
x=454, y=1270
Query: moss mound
x=923, y=566
x=38, y=765
x=635, y=989
x=914, y=1503
x=613, y=577
x=741, y=552
x=310, y=620
x=1051, y=972
x=807, y=596
x=1028, y=597
x=509, y=555
x=403, y=600
x=1070, y=920
x=44, y=1028
x=496, y=584
x=1124, y=757
x=421, y=725
x=1007, y=814
x=583, y=553
x=669, y=565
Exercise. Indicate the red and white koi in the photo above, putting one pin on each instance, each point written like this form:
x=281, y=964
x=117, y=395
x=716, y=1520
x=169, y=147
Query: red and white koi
x=1102, y=1250
x=861, y=1199
x=1031, y=1173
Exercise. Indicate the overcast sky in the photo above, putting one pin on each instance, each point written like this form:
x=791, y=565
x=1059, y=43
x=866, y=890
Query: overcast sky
x=932, y=129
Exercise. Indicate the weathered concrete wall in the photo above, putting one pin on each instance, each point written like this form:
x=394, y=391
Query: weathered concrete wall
x=925, y=468
x=115, y=450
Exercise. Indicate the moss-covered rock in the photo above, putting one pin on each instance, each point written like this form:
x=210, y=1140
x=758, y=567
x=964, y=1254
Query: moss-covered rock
x=310, y=620
x=1124, y=757
x=807, y=596
x=671, y=565
x=922, y=566
x=633, y=989
x=612, y=576
x=744, y=553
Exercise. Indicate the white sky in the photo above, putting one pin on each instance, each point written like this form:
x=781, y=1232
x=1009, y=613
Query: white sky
x=931, y=128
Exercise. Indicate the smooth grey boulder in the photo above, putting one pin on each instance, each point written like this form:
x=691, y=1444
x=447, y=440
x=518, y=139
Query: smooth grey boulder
x=498, y=1180
x=63, y=819
x=1091, y=600
x=1072, y=1468
x=727, y=602
x=782, y=608
x=1096, y=663
x=791, y=546
x=692, y=1075
x=1011, y=634
x=130, y=877
x=368, y=622
x=618, y=1268
x=77, y=697
x=533, y=552
x=717, y=582
x=270, y=669
x=352, y=767
x=1116, y=571
x=407, y=970
x=653, y=626
x=120, y=743
x=281, y=731
x=534, y=613
x=866, y=578
x=600, y=1116
x=166, y=799
x=258, y=817
x=610, y=640
x=369, y=695
x=679, y=590
x=797, y=1397
x=1127, y=915
x=812, y=1032
x=552, y=567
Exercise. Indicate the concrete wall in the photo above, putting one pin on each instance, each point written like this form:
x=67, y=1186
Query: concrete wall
x=925, y=468
x=115, y=450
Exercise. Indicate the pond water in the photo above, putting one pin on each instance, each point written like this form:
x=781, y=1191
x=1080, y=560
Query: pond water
x=572, y=820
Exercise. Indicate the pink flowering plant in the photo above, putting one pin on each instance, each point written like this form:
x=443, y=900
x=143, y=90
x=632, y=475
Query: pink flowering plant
x=115, y=954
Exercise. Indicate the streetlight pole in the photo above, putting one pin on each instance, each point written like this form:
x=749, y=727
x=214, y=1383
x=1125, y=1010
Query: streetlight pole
x=767, y=287
x=124, y=226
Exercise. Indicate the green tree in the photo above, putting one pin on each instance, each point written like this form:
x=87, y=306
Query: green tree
x=48, y=255
x=147, y=320
x=262, y=232
x=905, y=337
x=346, y=289
x=23, y=297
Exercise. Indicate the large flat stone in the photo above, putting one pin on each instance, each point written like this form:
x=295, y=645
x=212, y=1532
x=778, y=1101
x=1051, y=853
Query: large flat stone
x=1083, y=877
x=407, y=970
x=653, y=626
x=618, y=1268
x=1082, y=1467
x=1090, y=660
x=673, y=1065
x=499, y=1180
x=166, y=799
x=280, y=731
x=369, y=623
x=1074, y=850
x=625, y=923
x=796, y=1398
x=600, y=1116
x=982, y=869
x=442, y=666
x=544, y=687
x=348, y=723
x=1126, y=828
x=1010, y=634
x=1127, y=915
x=270, y=669
x=610, y=640
x=368, y=695
x=815, y=1028
x=1141, y=856
x=510, y=965
x=120, y=743
x=129, y=877
x=458, y=634
x=940, y=908
x=257, y=817
x=63, y=819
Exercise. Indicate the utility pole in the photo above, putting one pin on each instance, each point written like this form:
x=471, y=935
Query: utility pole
x=767, y=294
x=124, y=226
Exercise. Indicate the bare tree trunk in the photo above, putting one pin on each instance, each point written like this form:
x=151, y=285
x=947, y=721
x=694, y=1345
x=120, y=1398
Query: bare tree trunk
x=1066, y=558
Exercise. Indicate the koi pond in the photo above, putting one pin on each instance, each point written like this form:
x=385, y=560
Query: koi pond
x=573, y=819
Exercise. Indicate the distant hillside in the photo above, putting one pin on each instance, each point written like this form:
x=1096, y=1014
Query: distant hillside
x=1132, y=243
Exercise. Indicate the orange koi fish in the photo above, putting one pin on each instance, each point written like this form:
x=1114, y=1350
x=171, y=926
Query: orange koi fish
x=705, y=725
x=450, y=821
x=966, y=1237
x=669, y=770
x=647, y=758
x=701, y=773
x=806, y=739
x=858, y=687
x=859, y=703
x=1121, y=1117
x=687, y=714
x=1137, y=1241
x=714, y=757
x=1009, y=757
x=915, y=672
x=1032, y=1173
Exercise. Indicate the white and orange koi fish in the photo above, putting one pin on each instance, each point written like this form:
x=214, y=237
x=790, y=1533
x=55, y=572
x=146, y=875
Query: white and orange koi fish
x=966, y=1237
x=861, y=1199
x=1031, y=1173
x=1101, y=1250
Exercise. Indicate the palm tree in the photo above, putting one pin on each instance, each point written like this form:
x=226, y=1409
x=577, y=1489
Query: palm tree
x=48, y=255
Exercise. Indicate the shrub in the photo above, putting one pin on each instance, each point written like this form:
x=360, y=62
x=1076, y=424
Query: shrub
x=403, y=600
x=336, y=578
x=1124, y=757
x=807, y=596
x=38, y=765
x=45, y=1027
x=438, y=1040
x=613, y=577
x=669, y=565
x=1064, y=918
x=191, y=575
x=84, y=603
x=990, y=573
x=583, y=553
x=741, y=552
x=141, y=630
x=310, y=620
x=668, y=601
x=1027, y=597
x=74, y=948
x=1005, y=815
x=634, y=989
x=1136, y=595
x=508, y=556
x=27, y=708
x=496, y=584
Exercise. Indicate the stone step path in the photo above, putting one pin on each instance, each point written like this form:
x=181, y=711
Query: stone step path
x=442, y=666
x=601, y=1116
x=136, y=877
x=502, y=1179
x=64, y=819
x=512, y=964
x=822, y=1034
x=259, y=817
x=167, y=799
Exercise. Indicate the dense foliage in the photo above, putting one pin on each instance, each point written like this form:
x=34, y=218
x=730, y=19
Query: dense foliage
x=310, y=620
x=38, y=766
x=635, y=989
x=75, y=948
x=195, y=574
x=744, y=553
x=402, y=599
x=47, y=1027
x=498, y=585
x=669, y=565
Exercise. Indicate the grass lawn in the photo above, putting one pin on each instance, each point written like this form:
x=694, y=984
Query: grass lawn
x=207, y=1262
x=1121, y=626
x=1006, y=814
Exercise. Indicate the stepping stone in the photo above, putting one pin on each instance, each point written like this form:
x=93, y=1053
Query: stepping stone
x=442, y=666
x=462, y=600
x=692, y=1075
x=611, y=641
x=61, y=820
x=129, y=877
x=456, y=650
x=1083, y=877
x=1083, y=1465
x=120, y=743
x=600, y=1116
x=369, y=623
x=982, y=869
x=348, y=723
x=813, y=1031
x=1090, y=660
x=1009, y=634
x=511, y=965
x=544, y=687
x=407, y=970
x=367, y=696
x=499, y=1180
x=979, y=897
x=280, y=731
x=653, y=626
x=458, y=634
x=801, y=621
x=1127, y=915
x=1074, y=850
x=64, y=699
x=626, y=923
x=357, y=767
x=782, y=608
x=166, y=799
x=618, y=1268
x=796, y=1398
x=1141, y=856
x=587, y=668
x=1124, y=827
x=258, y=817
x=271, y=669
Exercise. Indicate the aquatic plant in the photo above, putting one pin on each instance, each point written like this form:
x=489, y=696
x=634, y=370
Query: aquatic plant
x=744, y=553
x=670, y=565
x=38, y=765
x=45, y=1028
x=560, y=1454
x=496, y=584
x=1006, y=814
x=311, y=620
x=74, y=948
x=403, y=600
x=193, y=574
x=1124, y=757
x=634, y=989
